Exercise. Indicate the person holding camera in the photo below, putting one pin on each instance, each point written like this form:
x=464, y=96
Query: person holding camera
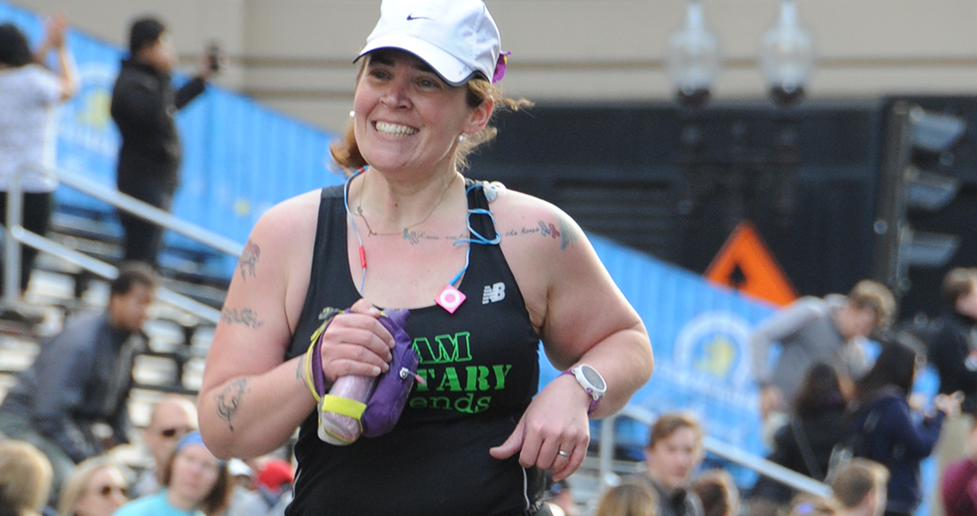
x=144, y=107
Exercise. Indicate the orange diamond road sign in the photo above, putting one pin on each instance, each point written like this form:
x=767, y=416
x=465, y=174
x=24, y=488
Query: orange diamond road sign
x=745, y=264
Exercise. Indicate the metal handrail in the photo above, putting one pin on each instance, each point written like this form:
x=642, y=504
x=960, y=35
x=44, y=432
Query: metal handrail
x=107, y=271
x=15, y=232
x=725, y=450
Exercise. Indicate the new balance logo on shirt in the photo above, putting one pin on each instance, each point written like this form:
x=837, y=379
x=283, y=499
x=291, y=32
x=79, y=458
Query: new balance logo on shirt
x=493, y=293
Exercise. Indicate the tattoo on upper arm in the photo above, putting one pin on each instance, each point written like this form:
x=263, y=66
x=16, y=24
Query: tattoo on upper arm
x=245, y=316
x=229, y=400
x=249, y=259
x=566, y=233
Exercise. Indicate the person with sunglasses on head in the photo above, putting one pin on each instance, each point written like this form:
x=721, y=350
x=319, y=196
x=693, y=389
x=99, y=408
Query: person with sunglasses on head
x=486, y=274
x=195, y=483
x=81, y=378
x=171, y=418
x=97, y=488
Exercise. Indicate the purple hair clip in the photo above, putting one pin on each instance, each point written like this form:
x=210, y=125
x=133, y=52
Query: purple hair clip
x=500, y=66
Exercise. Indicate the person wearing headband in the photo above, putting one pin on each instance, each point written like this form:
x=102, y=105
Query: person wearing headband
x=196, y=483
x=486, y=274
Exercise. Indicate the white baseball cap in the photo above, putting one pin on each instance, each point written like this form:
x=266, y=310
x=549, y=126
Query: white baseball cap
x=457, y=38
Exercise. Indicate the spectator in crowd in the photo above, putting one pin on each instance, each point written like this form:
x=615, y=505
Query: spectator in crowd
x=673, y=452
x=814, y=506
x=887, y=431
x=171, y=418
x=241, y=474
x=812, y=330
x=628, y=499
x=25, y=479
x=953, y=351
x=274, y=485
x=98, y=487
x=958, y=488
x=818, y=423
x=718, y=493
x=245, y=500
x=560, y=494
x=196, y=484
x=479, y=436
x=29, y=92
x=860, y=488
x=81, y=378
x=144, y=106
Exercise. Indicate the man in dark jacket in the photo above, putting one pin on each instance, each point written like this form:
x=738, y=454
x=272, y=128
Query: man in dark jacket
x=144, y=106
x=81, y=378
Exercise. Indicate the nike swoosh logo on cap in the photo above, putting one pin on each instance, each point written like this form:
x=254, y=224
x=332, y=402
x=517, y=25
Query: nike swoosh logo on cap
x=412, y=17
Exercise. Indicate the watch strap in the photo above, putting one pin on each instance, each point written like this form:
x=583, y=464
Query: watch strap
x=594, y=400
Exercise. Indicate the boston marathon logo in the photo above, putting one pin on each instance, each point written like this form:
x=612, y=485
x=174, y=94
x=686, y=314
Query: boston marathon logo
x=715, y=345
x=454, y=385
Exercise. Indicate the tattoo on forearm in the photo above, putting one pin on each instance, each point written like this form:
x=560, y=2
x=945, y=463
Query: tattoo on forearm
x=249, y=259
x=246, y=317
x=229, y=400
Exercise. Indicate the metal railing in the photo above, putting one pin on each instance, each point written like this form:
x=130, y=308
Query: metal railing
x=16, y=233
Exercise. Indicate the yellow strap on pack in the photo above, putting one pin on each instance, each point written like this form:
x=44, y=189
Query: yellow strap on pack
x=308, y=372
x=308, y=353
x=343, y=406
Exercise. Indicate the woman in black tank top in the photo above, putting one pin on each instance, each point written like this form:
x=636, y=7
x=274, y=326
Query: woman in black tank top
x=486, y=274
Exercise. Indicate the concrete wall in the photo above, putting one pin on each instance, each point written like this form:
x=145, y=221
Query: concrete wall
x=295, y=54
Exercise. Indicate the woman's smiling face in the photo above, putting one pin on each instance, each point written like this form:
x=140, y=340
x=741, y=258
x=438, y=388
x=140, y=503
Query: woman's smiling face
x=406, y=116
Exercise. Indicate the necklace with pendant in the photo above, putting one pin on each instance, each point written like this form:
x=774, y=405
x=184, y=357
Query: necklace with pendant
x=405, y=233
x=450, y=298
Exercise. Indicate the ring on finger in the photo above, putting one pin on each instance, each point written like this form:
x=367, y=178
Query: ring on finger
x=562, y=453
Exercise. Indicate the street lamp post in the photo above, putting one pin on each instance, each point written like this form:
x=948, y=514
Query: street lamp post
x=786, y=57
x=693, y=59
x=734, y=172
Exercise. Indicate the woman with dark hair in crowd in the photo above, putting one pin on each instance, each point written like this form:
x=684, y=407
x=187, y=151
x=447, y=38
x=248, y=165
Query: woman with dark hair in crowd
x=885, y=430
x=818, y=423
x=718, y=493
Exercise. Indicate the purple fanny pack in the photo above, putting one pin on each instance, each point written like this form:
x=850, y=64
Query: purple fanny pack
x=376, y=402
x=388, y=399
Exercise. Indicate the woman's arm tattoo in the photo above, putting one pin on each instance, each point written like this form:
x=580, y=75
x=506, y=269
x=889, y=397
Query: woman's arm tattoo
x=249, y=259
x=229, y=400
x=245, y=316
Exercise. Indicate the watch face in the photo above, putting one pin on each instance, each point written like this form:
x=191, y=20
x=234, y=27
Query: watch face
x=593, y=377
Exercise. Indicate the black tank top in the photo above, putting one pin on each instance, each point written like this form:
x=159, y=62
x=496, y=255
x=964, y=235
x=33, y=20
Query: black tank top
x=482, y=370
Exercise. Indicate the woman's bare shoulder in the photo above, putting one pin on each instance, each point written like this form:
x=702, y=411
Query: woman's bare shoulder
x=528, y=221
